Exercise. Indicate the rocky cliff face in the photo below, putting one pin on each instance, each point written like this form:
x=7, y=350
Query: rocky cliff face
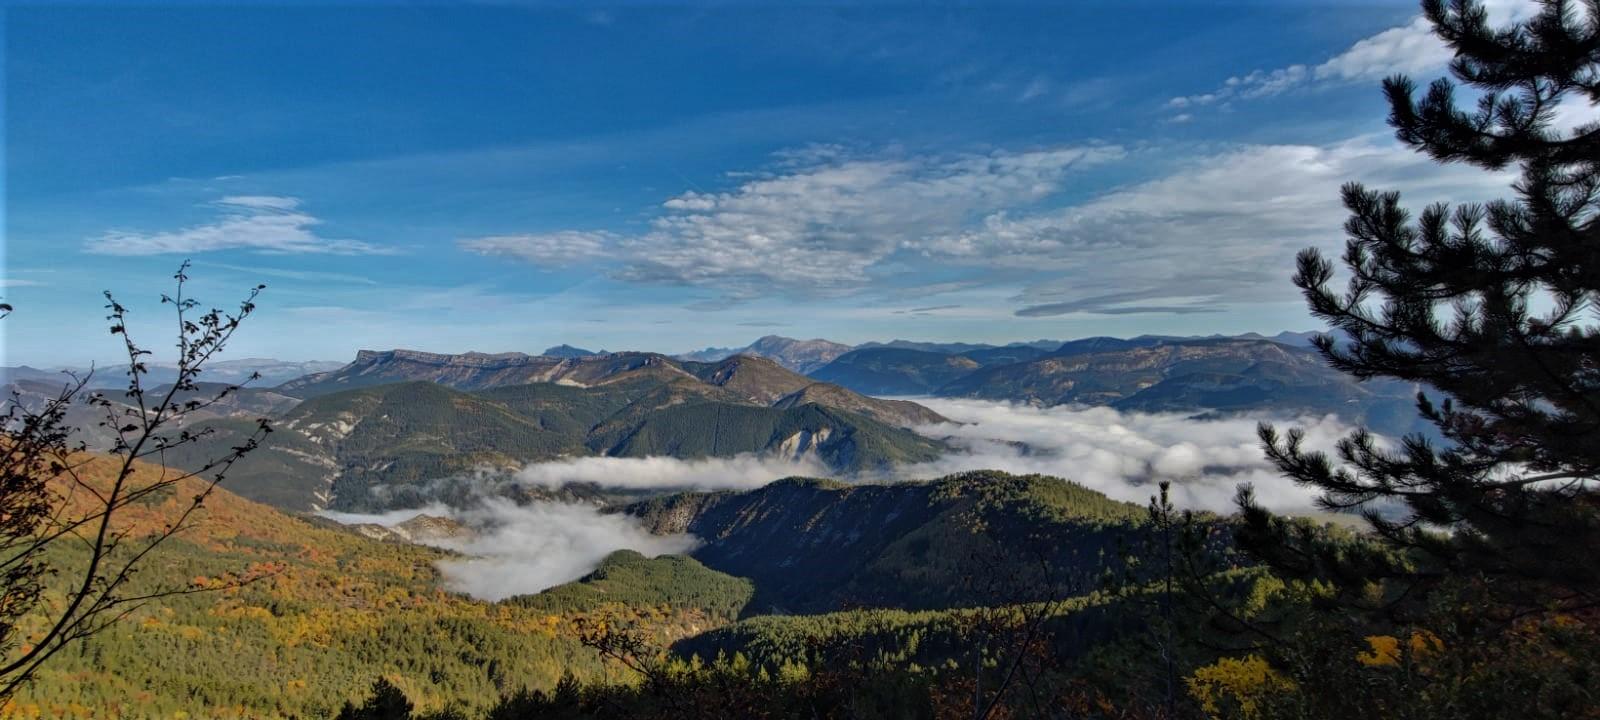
x=422, y=530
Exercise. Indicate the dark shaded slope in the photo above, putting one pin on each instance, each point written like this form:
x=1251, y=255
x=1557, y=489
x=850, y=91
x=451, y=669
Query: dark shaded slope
x=895, y=371
x=816, y=545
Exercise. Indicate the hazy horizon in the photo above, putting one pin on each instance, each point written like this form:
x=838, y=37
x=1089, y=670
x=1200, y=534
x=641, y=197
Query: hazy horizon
x=159, y=357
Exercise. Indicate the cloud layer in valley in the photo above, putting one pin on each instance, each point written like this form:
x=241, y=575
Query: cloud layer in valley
x=741, y=472
x=522, y=549
x=1122, y=454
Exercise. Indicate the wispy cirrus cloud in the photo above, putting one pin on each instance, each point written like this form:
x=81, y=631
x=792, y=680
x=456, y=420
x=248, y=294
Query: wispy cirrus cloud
x=1409, y=49
x=556, y=249
x=815, y=225
x=1227, y=224
x=263, y=223
x=1124, y=303
x=825, y=223
x=309, y=276
x=929, y=310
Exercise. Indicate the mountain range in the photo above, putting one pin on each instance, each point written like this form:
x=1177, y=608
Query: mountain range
x=382, y=430
x=1215, y=376
x=227, y=372
x=376, y=432
x=895, y=569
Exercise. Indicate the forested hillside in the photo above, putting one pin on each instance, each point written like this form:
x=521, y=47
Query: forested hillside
x=818, y=545
x=281, y=617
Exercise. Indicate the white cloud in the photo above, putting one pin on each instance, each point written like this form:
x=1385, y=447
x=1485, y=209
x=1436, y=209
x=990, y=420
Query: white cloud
x=741, y=472
x=266, y=224
x=1228, y=224
x=827, y=223
x=1036, y=88
x=1573, y=113
x=261, y=202
x=522, y=549
x=1410, y=49
x=1123, y=455
x=559, y=249
x=817, y=224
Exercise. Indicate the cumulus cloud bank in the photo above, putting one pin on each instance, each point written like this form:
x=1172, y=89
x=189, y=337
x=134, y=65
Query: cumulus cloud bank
x=1121, y=454
x=522, y=549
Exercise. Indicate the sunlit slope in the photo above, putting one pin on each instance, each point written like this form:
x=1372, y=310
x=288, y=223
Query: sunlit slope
x=324, y=612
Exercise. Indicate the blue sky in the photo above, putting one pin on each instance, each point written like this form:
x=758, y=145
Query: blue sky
x=672, y=176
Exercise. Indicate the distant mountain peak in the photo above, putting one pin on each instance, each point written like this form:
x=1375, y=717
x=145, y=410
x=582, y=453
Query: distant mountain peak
x=567, y=351
x=801, y=356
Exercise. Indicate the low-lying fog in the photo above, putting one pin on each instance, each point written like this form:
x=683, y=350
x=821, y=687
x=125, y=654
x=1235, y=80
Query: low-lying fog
x=1122, y=454
x=523, y=549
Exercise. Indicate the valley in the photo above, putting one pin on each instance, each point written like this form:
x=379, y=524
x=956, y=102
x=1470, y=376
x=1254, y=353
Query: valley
x=895, y=361
x=721, y=506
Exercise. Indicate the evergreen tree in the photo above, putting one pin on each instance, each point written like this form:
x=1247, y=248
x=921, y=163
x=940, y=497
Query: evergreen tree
x=1490, y=310
x=386, y=702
